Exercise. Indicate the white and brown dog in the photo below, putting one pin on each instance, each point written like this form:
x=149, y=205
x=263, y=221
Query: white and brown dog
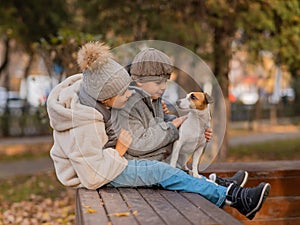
x=191, y=132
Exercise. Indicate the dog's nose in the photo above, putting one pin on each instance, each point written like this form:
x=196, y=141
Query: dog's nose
x=178, y=102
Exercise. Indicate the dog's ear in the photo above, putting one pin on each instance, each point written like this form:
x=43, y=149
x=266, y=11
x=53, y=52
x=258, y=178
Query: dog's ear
x=208, y=99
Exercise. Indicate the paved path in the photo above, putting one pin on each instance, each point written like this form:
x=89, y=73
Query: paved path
x=25, y=167
x=262, y=137
x=29, y=167
x=25, y=140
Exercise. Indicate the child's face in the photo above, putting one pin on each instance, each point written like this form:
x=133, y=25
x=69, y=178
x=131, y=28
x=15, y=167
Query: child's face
x=154, y=88
x=118, y=101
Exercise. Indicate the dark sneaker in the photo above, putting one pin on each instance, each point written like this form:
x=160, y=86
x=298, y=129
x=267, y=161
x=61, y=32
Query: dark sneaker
x=240, y=178
x=247, y=201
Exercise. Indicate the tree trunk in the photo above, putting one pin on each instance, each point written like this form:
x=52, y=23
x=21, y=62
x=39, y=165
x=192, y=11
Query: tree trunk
x=273, y=114
x=222, y=52
x=26, y=73
x=6, y=54
x=257, y=115
x=26, y=106
x=6, y=117
x=27, y=68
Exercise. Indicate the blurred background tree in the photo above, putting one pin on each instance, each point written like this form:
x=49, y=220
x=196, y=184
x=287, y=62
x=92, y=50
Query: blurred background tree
x=55, y=29
x=25, y=23
x=29, y=21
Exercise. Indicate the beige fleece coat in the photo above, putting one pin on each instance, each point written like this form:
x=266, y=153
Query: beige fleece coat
x=79, y=136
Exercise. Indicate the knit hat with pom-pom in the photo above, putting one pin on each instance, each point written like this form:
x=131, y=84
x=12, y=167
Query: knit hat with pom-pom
x=103, y=77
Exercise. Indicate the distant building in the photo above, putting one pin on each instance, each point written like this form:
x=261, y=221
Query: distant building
x=265, y=80
x=36, y=88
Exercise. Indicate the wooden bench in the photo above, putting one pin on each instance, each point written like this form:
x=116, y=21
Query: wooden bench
x=153, y=206
x=146, y=206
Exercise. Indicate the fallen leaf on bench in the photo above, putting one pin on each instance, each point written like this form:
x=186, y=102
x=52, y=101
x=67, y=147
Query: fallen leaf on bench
x=89, y=209
x=120, y=214
x=123, y=214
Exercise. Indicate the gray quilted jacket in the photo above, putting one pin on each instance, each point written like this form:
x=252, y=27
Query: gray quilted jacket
x=152, y=136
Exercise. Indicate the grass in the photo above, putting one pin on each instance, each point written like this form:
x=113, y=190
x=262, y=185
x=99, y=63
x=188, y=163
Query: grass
x=287, y=149
x=23, y=188
x=23, y=156
x=15, y=152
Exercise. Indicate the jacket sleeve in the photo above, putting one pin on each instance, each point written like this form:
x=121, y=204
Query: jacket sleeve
x=91, y=164
x=146, y=139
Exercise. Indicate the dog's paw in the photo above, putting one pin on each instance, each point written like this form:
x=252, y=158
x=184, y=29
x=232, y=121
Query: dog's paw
x=190, y=172
x=173, y=164
x=197, y=175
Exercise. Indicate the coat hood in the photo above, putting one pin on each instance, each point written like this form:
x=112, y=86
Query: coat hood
x=64, y=108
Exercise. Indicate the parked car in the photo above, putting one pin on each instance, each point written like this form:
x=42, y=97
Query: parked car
x=3, y=97
x=12, y=99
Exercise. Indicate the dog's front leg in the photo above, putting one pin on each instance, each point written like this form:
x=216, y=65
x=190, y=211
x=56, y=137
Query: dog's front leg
x=196, y=156
x=175, y=153
x=182, y=162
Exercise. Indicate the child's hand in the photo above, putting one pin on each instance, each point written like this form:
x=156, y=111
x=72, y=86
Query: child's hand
x=165, y=108
x=208, y=134
x=123, y=142
x=178, y=121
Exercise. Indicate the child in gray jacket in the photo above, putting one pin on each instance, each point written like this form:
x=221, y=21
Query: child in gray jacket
x=143, y=114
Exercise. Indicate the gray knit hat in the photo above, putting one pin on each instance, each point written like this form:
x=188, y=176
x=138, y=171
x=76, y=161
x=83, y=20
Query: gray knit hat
x=151, y=64
x=103, y=77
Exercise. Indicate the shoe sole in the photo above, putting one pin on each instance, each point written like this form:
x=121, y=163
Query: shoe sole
x=245, y=179
x=263, y=196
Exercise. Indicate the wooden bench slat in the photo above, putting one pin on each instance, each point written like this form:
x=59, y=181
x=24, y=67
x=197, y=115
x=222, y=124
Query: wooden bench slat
x=162, y=207
x=212, y=210
x=89, y=199
x=145, y=214
x=114, y=204
x=190, y=211
x=280, y=186
x=271, y=221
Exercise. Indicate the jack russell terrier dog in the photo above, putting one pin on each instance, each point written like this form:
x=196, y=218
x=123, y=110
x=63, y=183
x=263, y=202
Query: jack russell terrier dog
x=191, y=132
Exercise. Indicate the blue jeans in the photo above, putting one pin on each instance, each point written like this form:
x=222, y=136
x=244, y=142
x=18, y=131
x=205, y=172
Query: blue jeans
x=148, y=173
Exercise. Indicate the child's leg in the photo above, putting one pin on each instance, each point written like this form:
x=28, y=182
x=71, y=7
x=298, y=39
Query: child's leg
x=248, y=201
x=147, y=173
